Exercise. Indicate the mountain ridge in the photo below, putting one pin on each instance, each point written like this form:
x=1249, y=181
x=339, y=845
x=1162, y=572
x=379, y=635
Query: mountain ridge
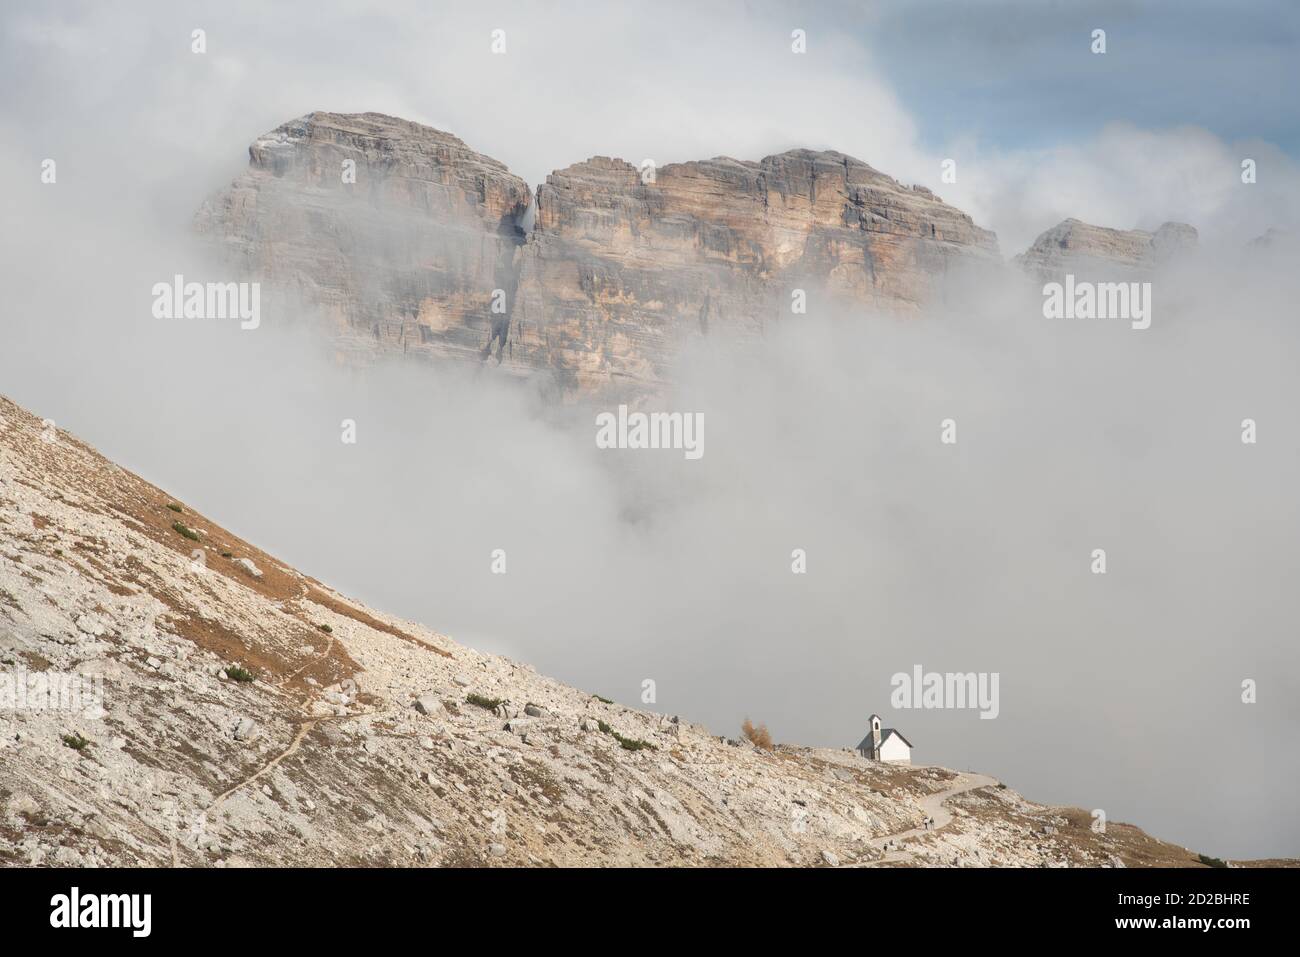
x=407, y=241
x=252, y=716
x=429, y=249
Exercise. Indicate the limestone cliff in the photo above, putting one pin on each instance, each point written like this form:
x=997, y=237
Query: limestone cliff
x=1084, y=249
x=425, y=252
x=403, y=259
x=619, y=270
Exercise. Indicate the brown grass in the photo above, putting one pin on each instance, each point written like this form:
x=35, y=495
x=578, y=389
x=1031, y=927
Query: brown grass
x=758, y=735
x=282, y=661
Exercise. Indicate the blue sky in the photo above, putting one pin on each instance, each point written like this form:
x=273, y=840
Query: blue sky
x=1020, y=74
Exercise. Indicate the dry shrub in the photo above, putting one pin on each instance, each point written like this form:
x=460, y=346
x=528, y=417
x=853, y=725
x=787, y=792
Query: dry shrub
x=757, y=735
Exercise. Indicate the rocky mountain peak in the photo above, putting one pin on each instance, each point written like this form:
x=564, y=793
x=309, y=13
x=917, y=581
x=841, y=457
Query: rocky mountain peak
x=386, y=142
x=397, y=233
x=1073, y=245
x=626, y=264
x=408, y=240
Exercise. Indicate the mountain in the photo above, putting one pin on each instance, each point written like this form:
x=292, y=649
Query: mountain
x=233, y=710
x=1074, y=246
x=403, y=260
x=437, y=250
x=621, y=268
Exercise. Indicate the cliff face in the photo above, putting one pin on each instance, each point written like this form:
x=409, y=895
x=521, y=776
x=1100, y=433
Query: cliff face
x=1084, y=249
x=404, y=259
x=617, y=272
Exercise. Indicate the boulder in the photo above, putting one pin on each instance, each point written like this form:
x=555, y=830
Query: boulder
x=247, y=565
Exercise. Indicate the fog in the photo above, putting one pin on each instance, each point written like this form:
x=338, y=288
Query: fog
x=1119, y=691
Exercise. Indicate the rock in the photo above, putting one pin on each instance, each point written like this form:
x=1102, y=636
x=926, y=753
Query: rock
x=830, y=859
x=536, y=711
x=406, y=259
x=246, y=730
x=23, y=804
x=428, y=704
x=247, y=565
x=619, y=273
x=497, y=850
x=589, y=724
x=153, y=663
x=1104, y=254
x=616, y=274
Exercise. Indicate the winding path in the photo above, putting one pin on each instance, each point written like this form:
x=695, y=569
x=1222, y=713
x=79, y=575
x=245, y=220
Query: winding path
x=269, y=766
x=932, y=806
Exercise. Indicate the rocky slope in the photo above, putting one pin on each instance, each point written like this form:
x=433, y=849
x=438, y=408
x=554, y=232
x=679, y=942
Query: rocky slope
x=620, y=268
x=1087, y=250
x=252, y=715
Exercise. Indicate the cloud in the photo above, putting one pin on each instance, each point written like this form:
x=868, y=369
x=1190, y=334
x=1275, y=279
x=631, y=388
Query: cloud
x=1118, y=692
x=165, y=126
x=1128, y=178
